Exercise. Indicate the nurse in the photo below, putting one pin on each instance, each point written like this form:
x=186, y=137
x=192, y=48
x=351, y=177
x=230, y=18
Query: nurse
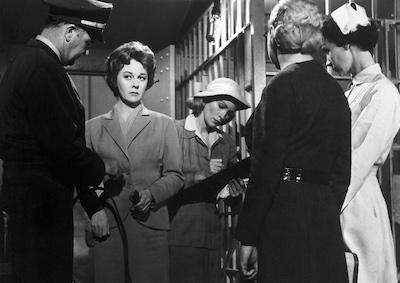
x=350, y=37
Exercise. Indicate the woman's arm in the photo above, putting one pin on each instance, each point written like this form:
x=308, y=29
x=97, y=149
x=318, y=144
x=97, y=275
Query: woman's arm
x=270, y=138
x=172, y=177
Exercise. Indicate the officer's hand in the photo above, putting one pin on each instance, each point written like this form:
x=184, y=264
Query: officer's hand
x=114, y=184
x=99, y=224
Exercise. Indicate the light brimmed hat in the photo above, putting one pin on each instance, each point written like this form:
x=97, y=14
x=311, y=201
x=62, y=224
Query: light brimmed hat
x=90, y=15
x=349, y=16
x=226, y=88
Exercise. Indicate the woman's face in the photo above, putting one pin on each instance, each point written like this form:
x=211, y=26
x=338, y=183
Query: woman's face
x=217, y=113
x=132, y=82
x=340, y=57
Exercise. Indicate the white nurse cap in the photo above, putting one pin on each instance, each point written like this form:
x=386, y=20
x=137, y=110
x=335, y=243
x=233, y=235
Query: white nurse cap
x=349, y=16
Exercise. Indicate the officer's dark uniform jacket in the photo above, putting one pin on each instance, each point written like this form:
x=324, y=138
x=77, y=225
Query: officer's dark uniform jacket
x=42, y=143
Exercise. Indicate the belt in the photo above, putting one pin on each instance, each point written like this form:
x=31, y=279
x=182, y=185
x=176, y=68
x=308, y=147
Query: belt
x=300, y=175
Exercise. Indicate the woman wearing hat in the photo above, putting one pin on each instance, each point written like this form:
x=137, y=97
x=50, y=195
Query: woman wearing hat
x=350, y=37
x=195, y=239
x=289, y=226
x=142, y=145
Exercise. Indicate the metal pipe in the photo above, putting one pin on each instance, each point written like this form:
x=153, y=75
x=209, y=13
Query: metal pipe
x=5, y=232
x=374, y=9
x=327, y=7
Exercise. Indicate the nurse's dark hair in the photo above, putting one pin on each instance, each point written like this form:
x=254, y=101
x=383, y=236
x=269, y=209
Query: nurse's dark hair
x=365, y=37
x=123, y=55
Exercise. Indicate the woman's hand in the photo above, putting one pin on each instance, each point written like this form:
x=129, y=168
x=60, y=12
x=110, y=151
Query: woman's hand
x=236, y=187
x=199, y=176
x=145, y=201
x=216, y=165
x=248, y=262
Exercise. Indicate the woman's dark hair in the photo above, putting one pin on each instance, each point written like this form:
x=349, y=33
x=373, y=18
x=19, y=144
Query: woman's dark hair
x=122, y=55
x=365, y=37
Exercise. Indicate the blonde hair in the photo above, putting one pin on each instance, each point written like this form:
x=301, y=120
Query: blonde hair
x=196, y=104
x=295, y=26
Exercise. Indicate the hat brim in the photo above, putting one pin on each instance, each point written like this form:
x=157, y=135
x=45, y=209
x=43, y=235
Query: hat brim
x=95, y=34
x=240, y=103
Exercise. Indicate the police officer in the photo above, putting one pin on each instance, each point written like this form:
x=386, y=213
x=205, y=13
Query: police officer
x=42, y=143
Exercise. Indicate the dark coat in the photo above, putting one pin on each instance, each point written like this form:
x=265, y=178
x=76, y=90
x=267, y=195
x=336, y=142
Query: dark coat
x=42, y=143
x=302, y=121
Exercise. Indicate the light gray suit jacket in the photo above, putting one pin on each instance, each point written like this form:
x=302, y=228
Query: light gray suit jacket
x=149, y=157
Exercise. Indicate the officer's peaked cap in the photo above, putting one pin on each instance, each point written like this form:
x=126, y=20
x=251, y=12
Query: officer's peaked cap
x=91, y=15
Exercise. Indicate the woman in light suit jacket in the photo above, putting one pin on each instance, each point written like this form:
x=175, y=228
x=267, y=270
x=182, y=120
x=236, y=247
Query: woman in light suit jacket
x=142, y=146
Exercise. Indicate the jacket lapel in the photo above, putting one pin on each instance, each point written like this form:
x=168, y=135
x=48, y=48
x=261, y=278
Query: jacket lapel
x=141, y=121
x=113, y=128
